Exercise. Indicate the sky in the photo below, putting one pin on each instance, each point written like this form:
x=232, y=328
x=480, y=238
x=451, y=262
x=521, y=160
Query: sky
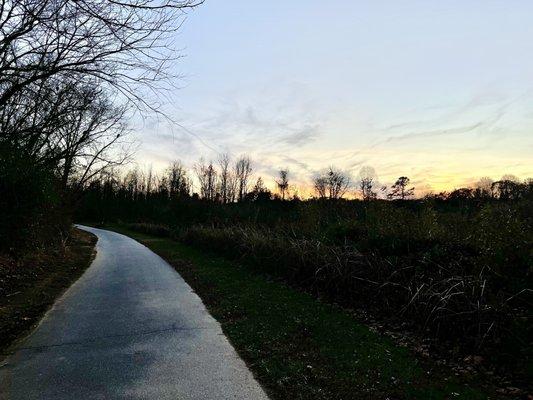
x=441, y=92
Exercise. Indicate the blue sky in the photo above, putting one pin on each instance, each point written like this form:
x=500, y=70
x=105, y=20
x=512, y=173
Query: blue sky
x=439, y=91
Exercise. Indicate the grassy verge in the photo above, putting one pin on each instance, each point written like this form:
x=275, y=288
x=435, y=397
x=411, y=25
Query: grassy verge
x=301, y=348
x=28, y=287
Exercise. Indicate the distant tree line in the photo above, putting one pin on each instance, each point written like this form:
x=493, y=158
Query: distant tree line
x=509, y=187
x=197, y=194
x=232, y=180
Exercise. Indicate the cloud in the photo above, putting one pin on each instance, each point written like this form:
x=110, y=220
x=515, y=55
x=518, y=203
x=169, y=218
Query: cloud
x=286, y=131
x=302, y=165
x=302, y=136
x=257, y=126
x=483, y=114
x=436, y=132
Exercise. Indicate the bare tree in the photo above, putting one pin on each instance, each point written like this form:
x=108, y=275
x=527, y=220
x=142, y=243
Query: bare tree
x=88, y=141
x=320, y=184
x=120, y=44
x=131, y=184
x=150, y=179
x=366, y=183
x=177, y=180
x=338, y=183
x=207, y=178
x=69, y=126
x=332, y=184
x=226, y=181
x=64, y=67
x=243, y=171
x=68, y=71
x=283, y=183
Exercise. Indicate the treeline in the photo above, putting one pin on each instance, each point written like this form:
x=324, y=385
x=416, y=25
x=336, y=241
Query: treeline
x=227, y=181
x=456, y=265
x=70, y=72
x=231, y=181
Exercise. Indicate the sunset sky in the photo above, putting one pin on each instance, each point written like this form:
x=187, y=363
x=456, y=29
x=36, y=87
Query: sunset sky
x=439, y=91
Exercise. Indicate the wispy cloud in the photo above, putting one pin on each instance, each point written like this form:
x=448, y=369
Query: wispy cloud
x=302, y=136
x=487, y=119
x=286, y=131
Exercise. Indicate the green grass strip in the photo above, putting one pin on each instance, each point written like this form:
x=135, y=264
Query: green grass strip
x=299, y=347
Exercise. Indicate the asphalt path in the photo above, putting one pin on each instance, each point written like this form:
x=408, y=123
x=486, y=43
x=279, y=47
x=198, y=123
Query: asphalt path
x=129, y=328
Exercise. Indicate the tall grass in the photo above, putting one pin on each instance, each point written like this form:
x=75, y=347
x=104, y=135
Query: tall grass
x=444, y=298
x=462, y=273
x=458, y=270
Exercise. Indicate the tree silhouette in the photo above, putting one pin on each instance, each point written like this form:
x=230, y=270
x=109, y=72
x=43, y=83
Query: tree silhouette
x=366, y=182
x=400, y=190
x=69, y=71
x=259, y=192
x=283, y=182
x=116, y=44
x=484, y=187
x=332, y=184
x=226, y=181
x=508, y=188
x=177, y=181
x=243, y=171
x=207, y=178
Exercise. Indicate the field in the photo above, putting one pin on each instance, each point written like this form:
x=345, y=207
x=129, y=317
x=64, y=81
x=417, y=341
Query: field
x=453, y=276
x=301, y=348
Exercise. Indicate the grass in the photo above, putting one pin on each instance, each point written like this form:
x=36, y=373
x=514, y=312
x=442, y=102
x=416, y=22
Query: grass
x=28, y=287
x=299, y=347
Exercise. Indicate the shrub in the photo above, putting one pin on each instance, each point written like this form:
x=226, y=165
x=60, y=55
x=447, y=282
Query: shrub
x=442, y=298
x=151, y=229
x=30, y=204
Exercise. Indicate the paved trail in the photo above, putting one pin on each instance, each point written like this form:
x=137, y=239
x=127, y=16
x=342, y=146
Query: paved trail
x=129, y=328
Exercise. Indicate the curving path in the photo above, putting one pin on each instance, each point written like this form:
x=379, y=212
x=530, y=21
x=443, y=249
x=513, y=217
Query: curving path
x=129, y=328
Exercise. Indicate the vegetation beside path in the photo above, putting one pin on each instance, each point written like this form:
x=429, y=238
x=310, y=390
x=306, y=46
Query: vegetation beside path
x=299, y=347
x=30, y=284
